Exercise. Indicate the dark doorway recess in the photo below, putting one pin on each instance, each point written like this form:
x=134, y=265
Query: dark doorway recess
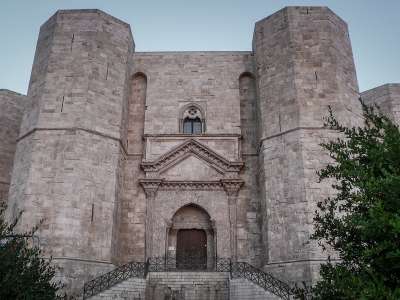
x=191, y=249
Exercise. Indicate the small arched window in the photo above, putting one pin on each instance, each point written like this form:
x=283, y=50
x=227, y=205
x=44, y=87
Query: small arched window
x=192, y=121
x=192, y=126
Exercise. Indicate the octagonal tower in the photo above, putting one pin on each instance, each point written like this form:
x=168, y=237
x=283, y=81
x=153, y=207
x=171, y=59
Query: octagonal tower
x=70, y=144
x=304, y=62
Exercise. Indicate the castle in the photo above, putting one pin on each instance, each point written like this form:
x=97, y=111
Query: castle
x=131, y=155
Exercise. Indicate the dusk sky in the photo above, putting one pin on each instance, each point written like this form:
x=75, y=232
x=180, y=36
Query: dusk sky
x=203, y=25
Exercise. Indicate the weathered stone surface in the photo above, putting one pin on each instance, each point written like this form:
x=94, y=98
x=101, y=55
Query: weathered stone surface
x=176, y=79
x=12, y=106
x=104, y=157
x=66, y=164
x=387, y=98
x=304, y=63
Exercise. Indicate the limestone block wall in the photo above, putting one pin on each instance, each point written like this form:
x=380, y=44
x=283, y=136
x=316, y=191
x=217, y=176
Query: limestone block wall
x=304, y=63
x=387, y=97
x=12, y=107
x=209, y=79
x=69, y=149
x=173, y=80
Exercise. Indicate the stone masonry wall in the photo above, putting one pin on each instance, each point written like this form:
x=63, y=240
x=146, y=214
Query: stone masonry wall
x=12, y=107
x=67, y=159
x=174, y=80
x=95, y=110
x=209, y=79
x=304, y=63
x=387, y=97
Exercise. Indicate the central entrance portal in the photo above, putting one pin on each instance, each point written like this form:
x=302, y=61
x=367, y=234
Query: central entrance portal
x=191, y=241
x=191, y=249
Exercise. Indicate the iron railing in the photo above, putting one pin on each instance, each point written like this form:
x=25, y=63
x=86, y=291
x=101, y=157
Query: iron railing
x=107, y=280
x=261, y=278
x=163, y=264
x=169, y=264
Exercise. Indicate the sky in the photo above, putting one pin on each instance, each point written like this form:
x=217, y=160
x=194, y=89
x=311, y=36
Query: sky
x=203, y=25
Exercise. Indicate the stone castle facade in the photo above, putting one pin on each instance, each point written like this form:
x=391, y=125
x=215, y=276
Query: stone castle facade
x=127, y=155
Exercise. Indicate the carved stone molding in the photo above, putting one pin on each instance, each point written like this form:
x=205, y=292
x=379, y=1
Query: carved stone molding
x=192, y=146
x=191, y=185
x=232, y=186
x=150, y=186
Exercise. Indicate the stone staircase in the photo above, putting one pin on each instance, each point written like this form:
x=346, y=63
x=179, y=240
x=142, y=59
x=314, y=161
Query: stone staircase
x=243, y=289
x=130, y=289
x=157, y=279
x=186, y=286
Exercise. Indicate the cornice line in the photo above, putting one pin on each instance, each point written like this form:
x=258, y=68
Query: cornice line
x=300, y=261
x=94, y=132
x=291, y=130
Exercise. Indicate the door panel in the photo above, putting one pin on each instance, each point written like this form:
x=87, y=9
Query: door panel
x=191, y=249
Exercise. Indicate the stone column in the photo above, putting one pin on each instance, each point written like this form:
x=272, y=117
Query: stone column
x=150, y=187
x=232, y=188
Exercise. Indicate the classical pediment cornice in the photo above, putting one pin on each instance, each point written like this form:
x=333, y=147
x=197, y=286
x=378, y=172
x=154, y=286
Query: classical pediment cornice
x=228, y=185
x=192, y=147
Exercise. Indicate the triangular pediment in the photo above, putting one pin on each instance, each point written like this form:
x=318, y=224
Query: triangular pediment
x=193, y=148
x=191, y=168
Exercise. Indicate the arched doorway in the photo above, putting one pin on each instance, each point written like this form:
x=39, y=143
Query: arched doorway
x=191, y=238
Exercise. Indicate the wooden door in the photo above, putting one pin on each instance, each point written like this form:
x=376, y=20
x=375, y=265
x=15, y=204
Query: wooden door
x=191, y=249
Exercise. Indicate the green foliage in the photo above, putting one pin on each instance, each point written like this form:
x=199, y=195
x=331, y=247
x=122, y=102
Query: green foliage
x=361, y=222
x=23, y=273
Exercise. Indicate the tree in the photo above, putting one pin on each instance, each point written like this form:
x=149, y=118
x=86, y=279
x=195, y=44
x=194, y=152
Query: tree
x=361, y=222
x=23, y=273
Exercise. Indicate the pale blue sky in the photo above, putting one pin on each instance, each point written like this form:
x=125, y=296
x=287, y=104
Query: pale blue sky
x=182, y=25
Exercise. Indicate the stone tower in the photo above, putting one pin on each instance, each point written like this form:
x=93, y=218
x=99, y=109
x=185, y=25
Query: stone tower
x=304, y=63
x=70, y=142
x=128, y=156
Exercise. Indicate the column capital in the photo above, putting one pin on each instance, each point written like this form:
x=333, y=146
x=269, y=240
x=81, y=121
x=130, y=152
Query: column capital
x=232, y=186
x=150, y=186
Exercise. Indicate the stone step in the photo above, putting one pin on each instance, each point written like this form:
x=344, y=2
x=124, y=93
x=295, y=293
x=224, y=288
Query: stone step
x=130, y=289
x=243, y=289
x=186, y=286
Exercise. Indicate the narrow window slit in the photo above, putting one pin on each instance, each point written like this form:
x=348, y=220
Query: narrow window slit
x=72, y=40
x=107, y=71
x=62, y=103
x=91, y=218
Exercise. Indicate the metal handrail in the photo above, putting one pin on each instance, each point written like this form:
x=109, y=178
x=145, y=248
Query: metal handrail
x=262, y=279
x=163, y=264
x=107, y=280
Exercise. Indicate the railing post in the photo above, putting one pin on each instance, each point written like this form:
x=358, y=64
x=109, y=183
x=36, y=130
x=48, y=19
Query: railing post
x=84, y=291
x=230, y=267
x=146, y=267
